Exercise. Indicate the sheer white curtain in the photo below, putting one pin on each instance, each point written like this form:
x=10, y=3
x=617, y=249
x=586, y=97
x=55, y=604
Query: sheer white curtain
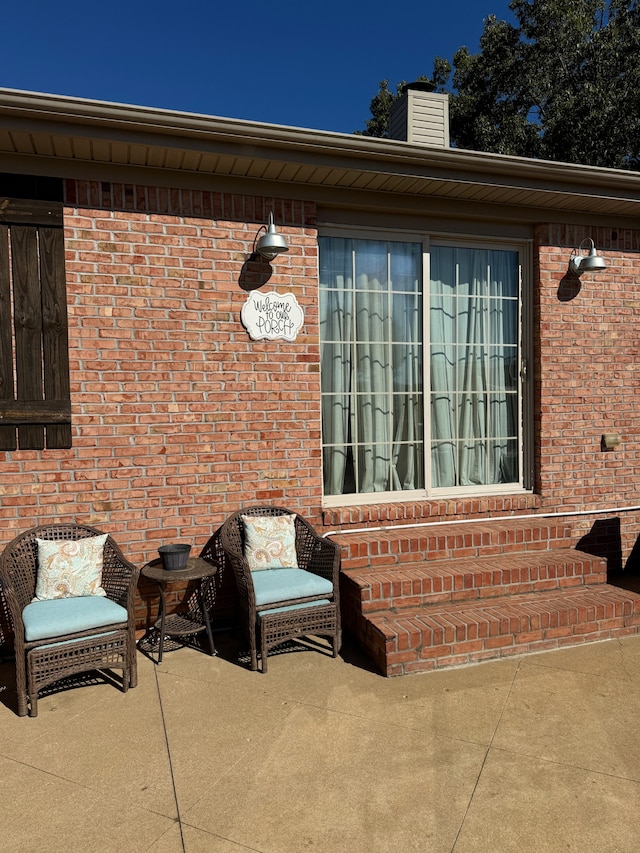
x=474, y=357
x=408, y=390
x=372, y=405
x=371, y=335
x=337, y=375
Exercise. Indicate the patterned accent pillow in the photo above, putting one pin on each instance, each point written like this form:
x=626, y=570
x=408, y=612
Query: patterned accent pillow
x=270, y=541
x=70, y=568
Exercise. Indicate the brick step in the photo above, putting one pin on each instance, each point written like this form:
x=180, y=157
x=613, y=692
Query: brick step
x=407, y=544
x=414, y=584
x=457, y=633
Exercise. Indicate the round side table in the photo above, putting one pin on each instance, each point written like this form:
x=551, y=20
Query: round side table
x=186, y=624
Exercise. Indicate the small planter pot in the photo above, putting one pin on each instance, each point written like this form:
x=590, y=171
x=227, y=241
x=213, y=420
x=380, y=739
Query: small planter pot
x=174, y=557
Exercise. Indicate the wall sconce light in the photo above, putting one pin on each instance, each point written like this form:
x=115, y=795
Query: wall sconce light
x=271, y=243
x=580, y=262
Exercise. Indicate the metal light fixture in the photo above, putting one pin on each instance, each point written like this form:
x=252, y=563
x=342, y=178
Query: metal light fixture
x=580, y=262
x=271, y=243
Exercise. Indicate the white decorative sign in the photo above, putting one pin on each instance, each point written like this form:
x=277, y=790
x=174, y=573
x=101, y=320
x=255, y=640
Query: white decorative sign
x=272, y=315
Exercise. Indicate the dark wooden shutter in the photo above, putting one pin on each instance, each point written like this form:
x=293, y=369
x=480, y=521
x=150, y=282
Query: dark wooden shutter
x=35, y=407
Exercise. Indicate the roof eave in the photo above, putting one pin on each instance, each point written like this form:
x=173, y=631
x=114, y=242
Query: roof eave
x=399, y=166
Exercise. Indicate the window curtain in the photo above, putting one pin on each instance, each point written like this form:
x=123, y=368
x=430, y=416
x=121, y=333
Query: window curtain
x=336, y=368
x=371, y=365
x=408, y=387
x=474, y=358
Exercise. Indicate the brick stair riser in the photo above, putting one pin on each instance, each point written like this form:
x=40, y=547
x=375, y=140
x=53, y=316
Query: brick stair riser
x=397, y=546
x=436, y=640
x=468, y=579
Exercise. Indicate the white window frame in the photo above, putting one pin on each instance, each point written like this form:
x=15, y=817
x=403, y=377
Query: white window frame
x=525, y=384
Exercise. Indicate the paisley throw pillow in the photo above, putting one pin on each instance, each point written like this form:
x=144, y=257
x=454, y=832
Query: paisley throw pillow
x=70, y=568
x=270, y=541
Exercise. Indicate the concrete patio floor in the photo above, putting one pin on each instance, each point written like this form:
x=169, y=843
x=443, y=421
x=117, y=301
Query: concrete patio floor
x=539, y=753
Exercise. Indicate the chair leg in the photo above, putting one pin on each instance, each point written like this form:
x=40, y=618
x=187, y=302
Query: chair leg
x=32, y=690
x=21, y=684
x=337, y=643
x=133, y=665
x=33, y=710
x=253, y=645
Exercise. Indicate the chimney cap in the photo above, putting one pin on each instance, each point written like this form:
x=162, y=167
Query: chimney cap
x=419, y=86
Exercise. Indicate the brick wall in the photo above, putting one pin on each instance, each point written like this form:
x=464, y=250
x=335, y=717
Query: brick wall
x=178, y=417
x=587, y=380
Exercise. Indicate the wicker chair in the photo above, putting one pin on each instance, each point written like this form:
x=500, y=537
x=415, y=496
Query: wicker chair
x=94, y=645
x=289, y=617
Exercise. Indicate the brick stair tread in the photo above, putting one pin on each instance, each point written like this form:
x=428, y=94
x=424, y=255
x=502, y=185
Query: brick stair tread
x=524, y=606
x=474, y=577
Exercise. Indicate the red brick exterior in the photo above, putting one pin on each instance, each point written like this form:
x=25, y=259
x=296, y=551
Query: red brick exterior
x=587, y=383
x=179, y=417
x=587, y=378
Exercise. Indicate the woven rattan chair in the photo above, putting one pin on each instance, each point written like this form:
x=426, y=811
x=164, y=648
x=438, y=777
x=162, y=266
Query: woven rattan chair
x=94, y=645
x=291, y=616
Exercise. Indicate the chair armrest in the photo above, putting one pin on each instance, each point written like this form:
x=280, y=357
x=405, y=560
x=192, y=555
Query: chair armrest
x=241, y=572
x=18, y=567
x=325, y=560
x=13, y=606
x=318, y=555
x=119, y=576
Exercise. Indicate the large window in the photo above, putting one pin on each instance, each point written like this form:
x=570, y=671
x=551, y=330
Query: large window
x=406, y=368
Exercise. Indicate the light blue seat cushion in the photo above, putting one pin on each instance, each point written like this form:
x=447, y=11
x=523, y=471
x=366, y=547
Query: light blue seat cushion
x=272, y=585
x=305, y=605
x=59, y=616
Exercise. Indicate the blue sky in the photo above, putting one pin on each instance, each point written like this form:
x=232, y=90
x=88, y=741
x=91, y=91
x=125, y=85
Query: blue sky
x=314, y=65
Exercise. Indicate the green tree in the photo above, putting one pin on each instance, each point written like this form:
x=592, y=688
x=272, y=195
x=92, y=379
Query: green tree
x=561, y=83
